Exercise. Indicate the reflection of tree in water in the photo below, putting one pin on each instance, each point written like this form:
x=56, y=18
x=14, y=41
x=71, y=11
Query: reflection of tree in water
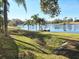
x=57, y=26
x=8, y=48
x=64, y=27
x=69, y=27
x=76, y=27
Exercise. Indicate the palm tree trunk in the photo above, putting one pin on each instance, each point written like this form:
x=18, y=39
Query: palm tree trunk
x=5, y=18
x=28, y=27
x=2, y=25
x=39, y=26
x=36, y=26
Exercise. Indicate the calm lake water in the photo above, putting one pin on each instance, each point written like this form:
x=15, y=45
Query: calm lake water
x=73, y=28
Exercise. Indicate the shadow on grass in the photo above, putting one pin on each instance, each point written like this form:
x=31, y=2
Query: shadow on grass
x=33, y=35
x=37, y=35
x=71, y=54
x=8, y=48
x=27, y=48
x=32, y=46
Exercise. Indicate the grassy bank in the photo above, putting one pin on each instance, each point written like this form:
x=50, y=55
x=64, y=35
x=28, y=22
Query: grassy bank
x=39, y=45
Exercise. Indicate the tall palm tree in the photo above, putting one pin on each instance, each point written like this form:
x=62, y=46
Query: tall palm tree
x=1, y=5
x=35, y=18
x=41, y=21
x=38, y=21
x=48, y=6
x=5, y=17
x=5, y=5
x=1, y=23
x=1, y=16
x=28, y=23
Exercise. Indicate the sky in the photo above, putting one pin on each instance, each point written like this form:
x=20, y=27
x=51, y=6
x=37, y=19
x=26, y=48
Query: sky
x=69, y=8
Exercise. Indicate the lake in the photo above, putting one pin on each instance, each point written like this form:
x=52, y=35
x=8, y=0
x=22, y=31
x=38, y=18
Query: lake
x=73, y=28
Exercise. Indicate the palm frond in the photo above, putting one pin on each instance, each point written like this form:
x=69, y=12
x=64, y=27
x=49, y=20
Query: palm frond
x=21, y=2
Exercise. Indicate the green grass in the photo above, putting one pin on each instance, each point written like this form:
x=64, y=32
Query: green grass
x=40, y=55
x=71, y=36
x=30, y=41
x=8, y=47
x=53, y=40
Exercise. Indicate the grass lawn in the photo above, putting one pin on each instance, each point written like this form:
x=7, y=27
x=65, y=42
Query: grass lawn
x=29, y=41
x=40, y=45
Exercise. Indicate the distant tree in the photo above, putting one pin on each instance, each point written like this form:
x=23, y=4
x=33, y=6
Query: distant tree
x=76, y=20
x=70, y=19
x=35, y=18
x=41, y=21
x=65, y=19
x=64, y=23
x=18, y=21
x=27, y=22
x=15, y=22
x=56, y=21
x=50, y=7
x=38, y=21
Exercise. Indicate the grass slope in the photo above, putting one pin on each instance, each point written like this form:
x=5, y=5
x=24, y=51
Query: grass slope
x=31, y=41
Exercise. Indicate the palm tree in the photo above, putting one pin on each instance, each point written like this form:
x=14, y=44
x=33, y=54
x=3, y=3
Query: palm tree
x=5, y=17
x=5, y=4
x=1, y=5
x=1, y=23
x=42, y=22
x=64, y=24
x=35, y=18
x=28, y=22
x=39, y=22
x=1, y=16
x=48, y=6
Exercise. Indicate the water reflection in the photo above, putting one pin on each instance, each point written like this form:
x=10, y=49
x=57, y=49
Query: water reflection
x=64, y=27
x=70, y=27
x=53, y=27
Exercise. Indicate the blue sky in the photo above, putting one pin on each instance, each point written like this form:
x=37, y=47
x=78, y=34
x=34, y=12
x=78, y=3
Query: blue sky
x=69, y=8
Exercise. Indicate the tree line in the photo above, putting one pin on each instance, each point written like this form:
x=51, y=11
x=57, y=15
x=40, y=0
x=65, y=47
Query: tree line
x=50, y=7
x=36, y=20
